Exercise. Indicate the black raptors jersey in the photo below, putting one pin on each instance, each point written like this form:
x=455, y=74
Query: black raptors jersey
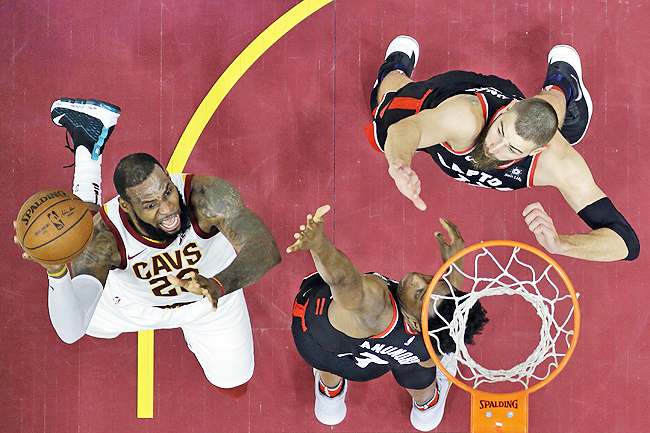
x=494, y=94
x=397, y=345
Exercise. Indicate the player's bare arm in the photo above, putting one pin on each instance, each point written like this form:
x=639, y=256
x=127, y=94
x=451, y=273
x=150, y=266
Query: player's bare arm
x=100, y=255
x=447, y=250
x=336, y=269
x=217, y=204
x=365, y=296
x=456, y=121
x=560, y=165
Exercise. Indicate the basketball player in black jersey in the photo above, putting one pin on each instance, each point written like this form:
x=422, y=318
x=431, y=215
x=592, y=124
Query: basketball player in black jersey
x=354, y=326
x=480, y=130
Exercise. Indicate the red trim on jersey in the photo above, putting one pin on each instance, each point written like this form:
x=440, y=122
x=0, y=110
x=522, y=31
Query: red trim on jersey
x=116, y=234
x=392, y=323
x=383, y=98
x=133, y=232
x=531, y=170
x=320, y=304
x=409, y=330
x=508, y=164
x=405, y=103
x=448, y=147
x=195, y=223
x=372, y=136
x=498, y=113
x=484, y=107
x=299, y=311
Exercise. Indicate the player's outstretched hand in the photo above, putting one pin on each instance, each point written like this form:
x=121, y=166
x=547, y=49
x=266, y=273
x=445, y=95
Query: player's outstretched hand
x=51, y=269
x=456, y=242
x=310, y=234
x=407, y=182
x=541, y=224
x=199, y=285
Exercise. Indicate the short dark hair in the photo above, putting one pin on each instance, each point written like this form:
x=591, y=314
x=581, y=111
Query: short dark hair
x=536, y=120
x=132, y=170
x=476, y=320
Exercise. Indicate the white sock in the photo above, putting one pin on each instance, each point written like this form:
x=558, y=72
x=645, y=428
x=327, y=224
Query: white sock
x=87, y=176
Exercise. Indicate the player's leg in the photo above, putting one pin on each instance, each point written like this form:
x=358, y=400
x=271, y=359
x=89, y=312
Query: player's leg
x=396, y=71
x=90, y=124
x=564, y=76
x=428, y=388
x=116, y=313
x=330, y=391
x=223, y=343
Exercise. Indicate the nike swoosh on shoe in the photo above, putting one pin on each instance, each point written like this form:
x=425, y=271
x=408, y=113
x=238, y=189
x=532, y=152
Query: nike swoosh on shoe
x=579, y=89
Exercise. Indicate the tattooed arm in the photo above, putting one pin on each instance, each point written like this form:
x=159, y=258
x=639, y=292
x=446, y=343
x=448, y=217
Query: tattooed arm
x=100, y=255
x=216, y=203
x=72, y=301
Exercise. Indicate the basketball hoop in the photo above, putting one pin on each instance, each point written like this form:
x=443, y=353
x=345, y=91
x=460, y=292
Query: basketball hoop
x=499, y=270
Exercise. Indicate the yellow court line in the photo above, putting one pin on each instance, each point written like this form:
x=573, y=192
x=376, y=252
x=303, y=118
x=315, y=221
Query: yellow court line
x=145, y=374
x=231, y=75
x=187, y=142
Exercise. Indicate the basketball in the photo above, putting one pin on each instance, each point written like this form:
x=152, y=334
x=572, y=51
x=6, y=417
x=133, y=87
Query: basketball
x=54, y=226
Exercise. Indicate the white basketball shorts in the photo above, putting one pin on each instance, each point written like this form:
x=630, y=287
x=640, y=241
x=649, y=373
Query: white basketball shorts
x=222, y=340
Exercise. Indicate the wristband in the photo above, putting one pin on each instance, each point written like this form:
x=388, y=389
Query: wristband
x=223, y=290
x=60, y=273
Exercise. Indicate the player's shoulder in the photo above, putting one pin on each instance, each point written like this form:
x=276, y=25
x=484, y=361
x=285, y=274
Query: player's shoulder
x=560, y=163
x=210, y=184
x=212, y=187
x=212, y=196
x=465, y=105
x=375, y=288
x=457, y=119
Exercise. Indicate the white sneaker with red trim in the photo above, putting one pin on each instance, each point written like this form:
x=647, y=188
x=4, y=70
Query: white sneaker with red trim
x=330, y=410
x=428, y=419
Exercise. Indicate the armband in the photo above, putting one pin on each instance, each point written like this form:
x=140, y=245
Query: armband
x=602, y=214
x=223, y=289
x=58, y=274
x=71, y=303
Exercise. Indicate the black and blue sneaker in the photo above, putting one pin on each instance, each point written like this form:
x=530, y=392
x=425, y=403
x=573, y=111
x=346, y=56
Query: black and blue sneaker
x=89, y=122
x=564, y=61
x=402, y=54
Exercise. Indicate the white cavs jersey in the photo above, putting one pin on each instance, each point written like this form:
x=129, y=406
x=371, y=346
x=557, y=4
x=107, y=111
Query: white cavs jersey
x=145, y=264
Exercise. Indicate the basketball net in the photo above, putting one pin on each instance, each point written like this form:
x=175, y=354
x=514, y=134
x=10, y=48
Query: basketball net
x=509, y=275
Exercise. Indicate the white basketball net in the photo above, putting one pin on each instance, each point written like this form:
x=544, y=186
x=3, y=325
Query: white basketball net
x=553, y=328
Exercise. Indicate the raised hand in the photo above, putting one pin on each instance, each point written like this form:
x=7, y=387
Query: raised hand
x=310, y=234
x=199, y=285
x=51, y=269
x=407, y=182
x=456, y=242
x=541, y=224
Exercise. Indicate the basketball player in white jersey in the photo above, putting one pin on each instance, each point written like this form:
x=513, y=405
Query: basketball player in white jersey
x=170, y=251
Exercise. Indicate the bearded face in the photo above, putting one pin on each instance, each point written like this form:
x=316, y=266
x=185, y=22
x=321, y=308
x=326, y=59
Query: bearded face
x=157, y=234
x=480, y=159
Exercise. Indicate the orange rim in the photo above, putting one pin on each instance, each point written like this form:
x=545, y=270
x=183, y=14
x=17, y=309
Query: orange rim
x=487, y=244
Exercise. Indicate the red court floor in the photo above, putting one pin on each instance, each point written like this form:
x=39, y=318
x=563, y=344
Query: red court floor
x=289, y=136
